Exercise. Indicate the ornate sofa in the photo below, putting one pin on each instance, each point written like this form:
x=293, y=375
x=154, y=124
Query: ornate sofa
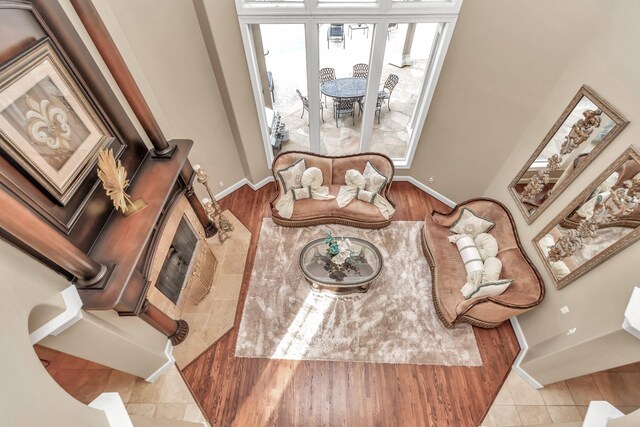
x=313, y=212
x=448, y=272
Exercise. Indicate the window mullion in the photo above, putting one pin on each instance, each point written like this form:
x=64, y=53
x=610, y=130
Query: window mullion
x=313, y=83
x=375, y=73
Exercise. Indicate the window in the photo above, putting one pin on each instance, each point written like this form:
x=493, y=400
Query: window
x=341, y=77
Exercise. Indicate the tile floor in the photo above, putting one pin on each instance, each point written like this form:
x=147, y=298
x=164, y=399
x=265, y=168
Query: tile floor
x=518, y=404
x=168, y=398
x=214, y=315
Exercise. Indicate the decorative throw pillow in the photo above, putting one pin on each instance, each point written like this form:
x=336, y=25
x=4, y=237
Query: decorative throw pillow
x=470, y=258
x=311, y=177
x=560, y=269
x=487, y=245
x=492, y=270
x=491, y=289
x=291, y=177
x=375, y=180
x=470, y=223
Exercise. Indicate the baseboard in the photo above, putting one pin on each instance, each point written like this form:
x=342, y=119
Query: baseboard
x=243, y=181
x=260, y=184
x=524, y=347
x=430, y=191
x=269, y=179
x=168, y=351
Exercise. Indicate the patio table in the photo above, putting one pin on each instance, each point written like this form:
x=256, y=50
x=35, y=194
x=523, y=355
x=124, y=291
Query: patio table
x=347, y=88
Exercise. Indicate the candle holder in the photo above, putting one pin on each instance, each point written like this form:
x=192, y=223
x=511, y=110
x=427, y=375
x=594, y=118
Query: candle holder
x=212, y=208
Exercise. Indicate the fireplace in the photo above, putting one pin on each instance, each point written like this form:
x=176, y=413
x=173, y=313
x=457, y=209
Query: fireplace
x=178, y=262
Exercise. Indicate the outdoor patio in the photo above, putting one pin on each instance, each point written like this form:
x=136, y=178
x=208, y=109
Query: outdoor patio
x=286, y=62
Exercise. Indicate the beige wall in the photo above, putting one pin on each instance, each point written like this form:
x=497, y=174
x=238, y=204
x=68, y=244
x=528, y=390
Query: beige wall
x=233, y=72
x=166, y=54
x=608, y=61
x=503, y=61
x=29, y=396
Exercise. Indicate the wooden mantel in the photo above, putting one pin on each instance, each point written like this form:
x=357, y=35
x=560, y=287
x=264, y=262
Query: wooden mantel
x=124, y=241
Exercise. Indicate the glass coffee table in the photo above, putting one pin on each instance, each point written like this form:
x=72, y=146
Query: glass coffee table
x=325, y=276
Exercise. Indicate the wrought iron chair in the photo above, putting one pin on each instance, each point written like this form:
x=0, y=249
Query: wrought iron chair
x=335, y=34
x=326, y=75
x=361, y=71
x=305, y=106
x=379, y=102
x=387, y=90
x=344, y=106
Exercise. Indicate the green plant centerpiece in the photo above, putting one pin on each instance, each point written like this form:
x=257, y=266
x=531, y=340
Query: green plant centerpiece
x=342, y=260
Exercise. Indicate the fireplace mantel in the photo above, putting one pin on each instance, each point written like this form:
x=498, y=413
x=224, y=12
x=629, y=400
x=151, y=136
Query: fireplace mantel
x=125, y=241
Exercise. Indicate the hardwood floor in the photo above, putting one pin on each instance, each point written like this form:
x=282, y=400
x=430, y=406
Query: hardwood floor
x=262, y=392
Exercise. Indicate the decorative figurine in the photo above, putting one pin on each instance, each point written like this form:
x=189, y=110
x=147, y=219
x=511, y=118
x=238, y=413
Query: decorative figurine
x=114, y=180
x=212, y=207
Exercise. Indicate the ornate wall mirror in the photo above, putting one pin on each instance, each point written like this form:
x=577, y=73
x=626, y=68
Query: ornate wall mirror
x=600, y=222
x=585, y=128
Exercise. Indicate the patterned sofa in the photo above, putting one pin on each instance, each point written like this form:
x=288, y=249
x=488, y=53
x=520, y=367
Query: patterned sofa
x=313, y=212
x=449, y=275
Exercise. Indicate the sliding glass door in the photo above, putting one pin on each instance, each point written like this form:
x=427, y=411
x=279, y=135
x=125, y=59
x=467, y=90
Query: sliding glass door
x=344, y=83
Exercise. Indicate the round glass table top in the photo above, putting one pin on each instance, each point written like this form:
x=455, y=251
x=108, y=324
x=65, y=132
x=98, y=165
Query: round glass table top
x=317, y=267
x=348, y=87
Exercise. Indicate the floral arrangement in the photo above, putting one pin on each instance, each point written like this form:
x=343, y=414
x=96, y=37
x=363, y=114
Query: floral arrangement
x=339, y=251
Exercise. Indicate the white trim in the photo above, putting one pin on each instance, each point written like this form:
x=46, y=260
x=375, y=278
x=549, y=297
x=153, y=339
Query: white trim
x=242, y=182
x=260, y=184
x=631, y=322
x=168, y=351
x=430, y=191
x=113, y=407
x=599, y=412
x=524, y=347
x=64, y=320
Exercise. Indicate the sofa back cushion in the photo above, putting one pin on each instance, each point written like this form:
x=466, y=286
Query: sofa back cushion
x=358, y=162
x=287, y=159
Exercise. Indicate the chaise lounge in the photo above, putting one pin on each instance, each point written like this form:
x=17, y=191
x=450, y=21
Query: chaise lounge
x=308, y=212
x=448, y=271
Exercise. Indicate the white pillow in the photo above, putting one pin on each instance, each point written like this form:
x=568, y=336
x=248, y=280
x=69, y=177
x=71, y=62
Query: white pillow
x=470, y=223
x=487, y=245
x=470, y=258
x=492, y=270
x=312, y=177
x=291, y=176
x=560, y=269
x=375, y=180
x=491, y=289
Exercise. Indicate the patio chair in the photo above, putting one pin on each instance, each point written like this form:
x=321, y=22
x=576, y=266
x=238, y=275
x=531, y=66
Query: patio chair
x=344, y=106
x=361, y=71
x=379, y=102
x=392, y=28
x=335, y=34
x=387, y=90
x=305, y=105
x=326, y=75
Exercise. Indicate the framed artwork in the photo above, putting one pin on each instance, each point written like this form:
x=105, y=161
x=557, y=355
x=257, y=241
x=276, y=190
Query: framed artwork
x=603, y=220
x=584, y=129
x=47, y=125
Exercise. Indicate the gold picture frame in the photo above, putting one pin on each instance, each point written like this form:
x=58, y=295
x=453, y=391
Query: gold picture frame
x=600, y=222
x=585, y=128
x=48, y=127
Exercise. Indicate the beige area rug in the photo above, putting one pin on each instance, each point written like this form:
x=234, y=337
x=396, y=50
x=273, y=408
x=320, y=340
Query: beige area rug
x=394, y=322
x=215, y=314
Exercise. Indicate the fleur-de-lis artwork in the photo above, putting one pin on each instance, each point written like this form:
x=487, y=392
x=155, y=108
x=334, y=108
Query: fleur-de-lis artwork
x=114, y=180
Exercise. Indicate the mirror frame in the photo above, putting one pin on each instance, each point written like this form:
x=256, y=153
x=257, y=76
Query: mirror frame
x=620, y=124
x=632, y=152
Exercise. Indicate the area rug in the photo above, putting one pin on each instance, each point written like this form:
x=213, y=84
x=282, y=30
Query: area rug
x=394, y=322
